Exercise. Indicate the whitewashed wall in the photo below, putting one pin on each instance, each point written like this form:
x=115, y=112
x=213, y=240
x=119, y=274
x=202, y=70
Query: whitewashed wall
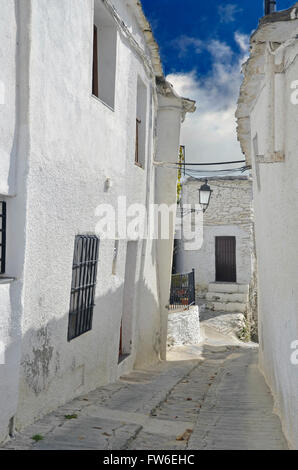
x=229, y=214
x=13, y=168
x=275, y=168
x=69, y=143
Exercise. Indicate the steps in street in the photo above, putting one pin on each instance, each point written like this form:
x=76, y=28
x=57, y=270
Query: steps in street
x=229, y=288
x=227, y=297
x=219, y=297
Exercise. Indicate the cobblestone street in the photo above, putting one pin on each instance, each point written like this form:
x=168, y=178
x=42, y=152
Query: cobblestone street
x=218, y=400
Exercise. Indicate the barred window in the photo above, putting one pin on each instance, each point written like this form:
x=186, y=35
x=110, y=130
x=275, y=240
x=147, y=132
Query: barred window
x=2, y=236
x=84, y=273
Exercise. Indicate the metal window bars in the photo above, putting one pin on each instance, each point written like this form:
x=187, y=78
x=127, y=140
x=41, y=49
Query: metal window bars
x=84, y=274
x=182, y=290
x=2, y=236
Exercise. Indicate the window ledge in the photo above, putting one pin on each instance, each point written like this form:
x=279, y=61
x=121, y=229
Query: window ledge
x=139, y=165
x=102, y=102
x=7, y=280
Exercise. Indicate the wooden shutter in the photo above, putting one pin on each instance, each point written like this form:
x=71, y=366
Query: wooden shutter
x=95, y=63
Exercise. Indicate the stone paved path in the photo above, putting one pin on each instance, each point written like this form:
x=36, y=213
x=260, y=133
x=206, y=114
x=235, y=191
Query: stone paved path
x=237, y=412
x=217, y=400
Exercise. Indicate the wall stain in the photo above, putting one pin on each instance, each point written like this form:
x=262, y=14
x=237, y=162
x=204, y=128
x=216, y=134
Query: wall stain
x=37, y=368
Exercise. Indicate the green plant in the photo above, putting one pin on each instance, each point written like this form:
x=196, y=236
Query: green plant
x=245, y=332
x=74, y=416
x=37, y=437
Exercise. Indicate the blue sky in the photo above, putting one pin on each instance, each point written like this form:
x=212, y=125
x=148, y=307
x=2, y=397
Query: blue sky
x=202, y=20
x=203, y=45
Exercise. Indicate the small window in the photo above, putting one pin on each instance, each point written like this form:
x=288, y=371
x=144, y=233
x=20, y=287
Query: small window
x=2, y=236
x=84, y=273
x=104, y=55
x=141, y=128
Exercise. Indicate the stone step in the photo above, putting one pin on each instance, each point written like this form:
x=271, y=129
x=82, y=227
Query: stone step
x=236, y=307
x=228, y=288
x=224, y=297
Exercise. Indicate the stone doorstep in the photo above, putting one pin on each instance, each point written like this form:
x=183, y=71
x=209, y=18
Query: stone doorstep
x=228, y=288
x=223, y=297
x=232, y=307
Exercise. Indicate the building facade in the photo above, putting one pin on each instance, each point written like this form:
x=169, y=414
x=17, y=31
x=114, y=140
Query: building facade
x=267, y=129
x=85, y=114
x=224, y=261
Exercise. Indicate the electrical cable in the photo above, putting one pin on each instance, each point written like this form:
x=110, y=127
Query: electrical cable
x=209, y=164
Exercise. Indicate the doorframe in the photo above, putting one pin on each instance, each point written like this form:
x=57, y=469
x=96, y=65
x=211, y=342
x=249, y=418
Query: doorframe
x=129, y=300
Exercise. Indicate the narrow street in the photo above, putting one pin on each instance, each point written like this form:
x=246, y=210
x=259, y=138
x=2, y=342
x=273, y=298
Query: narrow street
x=213, y=397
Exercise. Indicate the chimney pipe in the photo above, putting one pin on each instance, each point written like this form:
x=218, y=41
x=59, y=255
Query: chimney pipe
x=270, y=7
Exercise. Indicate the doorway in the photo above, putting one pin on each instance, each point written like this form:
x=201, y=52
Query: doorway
x=129, y=293
x=225, y=259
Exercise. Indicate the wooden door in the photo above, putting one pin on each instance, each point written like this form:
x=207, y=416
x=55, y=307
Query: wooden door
x=225, y=255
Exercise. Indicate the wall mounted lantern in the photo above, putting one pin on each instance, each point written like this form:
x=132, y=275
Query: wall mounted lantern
x=205, y=195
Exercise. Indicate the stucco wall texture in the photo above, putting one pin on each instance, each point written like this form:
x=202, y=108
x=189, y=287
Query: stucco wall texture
x=59, y=145
x=268, y=119
x=229, y=214
x=184, y=327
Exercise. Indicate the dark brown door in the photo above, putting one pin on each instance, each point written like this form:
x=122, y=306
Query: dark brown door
x=225, y=255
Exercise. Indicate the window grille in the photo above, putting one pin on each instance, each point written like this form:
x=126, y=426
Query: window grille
x=2, y=236
x=84, y=273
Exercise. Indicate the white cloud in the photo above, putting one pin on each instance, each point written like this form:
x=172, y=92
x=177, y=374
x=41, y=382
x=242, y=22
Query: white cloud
x=210, y=133
x=243, y=41
x=228, y=12
x=184, y=43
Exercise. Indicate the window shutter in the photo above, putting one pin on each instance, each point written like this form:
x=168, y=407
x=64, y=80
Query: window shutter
x=95, y=63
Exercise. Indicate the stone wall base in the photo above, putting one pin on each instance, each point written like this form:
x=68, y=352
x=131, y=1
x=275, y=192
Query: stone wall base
x=184, y=327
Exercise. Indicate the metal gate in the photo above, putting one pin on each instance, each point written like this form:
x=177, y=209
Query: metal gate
x=182, y=290
x=225, y=255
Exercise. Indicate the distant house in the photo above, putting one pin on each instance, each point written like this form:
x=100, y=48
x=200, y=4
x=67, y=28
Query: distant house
x=225, y=262
x=267, y=129
x=85, y=112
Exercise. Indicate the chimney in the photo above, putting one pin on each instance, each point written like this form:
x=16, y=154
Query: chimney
x=270, y=7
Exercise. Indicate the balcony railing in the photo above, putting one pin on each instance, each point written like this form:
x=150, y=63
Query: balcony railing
x=182, y=290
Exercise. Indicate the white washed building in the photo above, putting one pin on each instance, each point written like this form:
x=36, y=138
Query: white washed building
x=77, y=78
x=224, y=262
x=267, y=129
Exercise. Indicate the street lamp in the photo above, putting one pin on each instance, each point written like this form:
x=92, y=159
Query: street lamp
x=205, y=195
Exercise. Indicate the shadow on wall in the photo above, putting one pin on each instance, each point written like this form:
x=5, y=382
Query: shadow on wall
x=54, y=371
